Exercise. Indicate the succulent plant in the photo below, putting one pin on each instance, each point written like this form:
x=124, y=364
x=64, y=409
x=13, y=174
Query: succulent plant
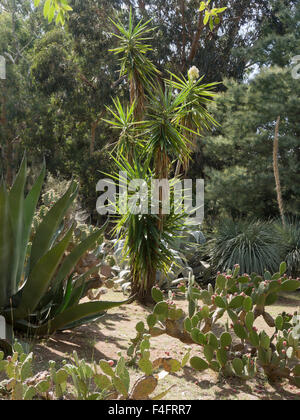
x=38, y=292
x=243, y=299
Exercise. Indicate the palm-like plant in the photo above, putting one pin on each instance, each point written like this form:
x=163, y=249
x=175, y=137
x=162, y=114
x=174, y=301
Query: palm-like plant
x=134, y=63
x=252, y=245
x=38, y=293
x=147, y=247
x=124, y=121
x=164, y=130
x=195, y=97
x=171, y=111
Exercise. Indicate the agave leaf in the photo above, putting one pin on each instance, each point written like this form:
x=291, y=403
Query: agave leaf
x=6, y=246
x=72, y=259
x=29, y=210
x=38, y=281
x=84, y=311
x=51, y=222
x=16, y=210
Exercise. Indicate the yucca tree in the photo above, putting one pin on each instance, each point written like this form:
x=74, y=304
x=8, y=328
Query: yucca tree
x=155, y=134
x=147, y=246
x=140, y=71
x=130, y=140
x=196, y=96
x=164, y=131
x=38, y=292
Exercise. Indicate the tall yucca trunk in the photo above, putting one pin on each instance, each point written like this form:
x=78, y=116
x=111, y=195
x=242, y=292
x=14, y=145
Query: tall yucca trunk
x=193, y=146
x=137, y=95
x=276, y=171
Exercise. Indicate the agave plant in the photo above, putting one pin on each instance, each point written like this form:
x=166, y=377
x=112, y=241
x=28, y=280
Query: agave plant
x=38, y=293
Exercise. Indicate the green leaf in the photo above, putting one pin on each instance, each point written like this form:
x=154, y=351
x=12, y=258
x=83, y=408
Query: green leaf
x=264, y=340
x=120, y=386
x=157, y=295
x=237, y=302
x=202, y=6
x=106, y=368
x=16, y=204
x=226, y=340
x=290, y=285
x=279, y=322
x=161, y=309
x=240, y=331
x=70, y=316
x=220, y=303
x=40, y=278
x=198, y=336
x=283, y=268
x=140, y=327
x=212, y=340
x=208, y=353
x=47, y=229
x=151, y=320
x=222, y=357
x=238, y=366
x=206, y=18
x=102, y=382
x=198, y=364
x=72, y=259
x=254, y=338
x=247, y=304
x=26, y=369
x=146, y=366
x=47, y=7
x=249, y=320
x=30, y=205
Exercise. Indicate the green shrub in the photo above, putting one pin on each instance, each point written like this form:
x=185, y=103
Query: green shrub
x=256, y=246
x=290, y=234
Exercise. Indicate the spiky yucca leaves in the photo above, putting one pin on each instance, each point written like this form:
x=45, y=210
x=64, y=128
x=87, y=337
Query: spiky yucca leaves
x=166, y=141
x=147, y=247
x=38, y=293
x=252, y=245
x=135, y=65
x=130, y=141
x=195, y=98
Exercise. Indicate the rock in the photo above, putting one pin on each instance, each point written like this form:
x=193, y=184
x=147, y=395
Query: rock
x=187, y=271
x=178, y=281
x=125, y=274
x=106, y=271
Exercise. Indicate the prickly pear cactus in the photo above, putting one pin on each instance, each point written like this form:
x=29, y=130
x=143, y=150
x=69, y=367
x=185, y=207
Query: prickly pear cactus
x=241, y=350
